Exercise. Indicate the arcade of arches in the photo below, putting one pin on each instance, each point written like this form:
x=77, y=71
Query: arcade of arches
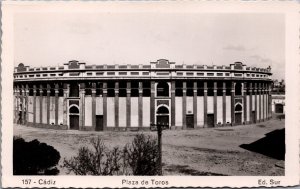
x=107, y=105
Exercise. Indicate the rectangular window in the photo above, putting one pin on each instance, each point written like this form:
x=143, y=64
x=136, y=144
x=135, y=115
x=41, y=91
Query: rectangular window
x=122, y=66
x=45, y=75
x=52, y=68
x=253, y=75
x=145, y=73
x=200, y=74
x=146, y=66
x=99, y=66
x=21, y=76
x=248, y=75
x=210, y=74
x=190, y=74
x=219, y=74
x=162, y=73
x=38, y=75
x=200, y=67
x=135, y=66
x=110, y=73
x=31, y=75
x=227, y=74
x=31, y=69
x=190, y=66
x=122, y=73
x=111, y=66
x=134, y=73
x=89, y=74
x=238, y=74
x=37, y=69
x=179, y=73
x=60, y=74
x=99, y=73
x=52, y=75
x=44, y=68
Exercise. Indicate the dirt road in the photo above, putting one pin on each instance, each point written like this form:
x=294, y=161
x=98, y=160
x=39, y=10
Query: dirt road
x=208, y=151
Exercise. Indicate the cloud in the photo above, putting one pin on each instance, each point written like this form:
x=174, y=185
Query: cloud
x=261, y=59
x=235, y=47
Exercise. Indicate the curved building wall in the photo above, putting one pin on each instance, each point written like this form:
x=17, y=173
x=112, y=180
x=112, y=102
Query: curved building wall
x=132, y=97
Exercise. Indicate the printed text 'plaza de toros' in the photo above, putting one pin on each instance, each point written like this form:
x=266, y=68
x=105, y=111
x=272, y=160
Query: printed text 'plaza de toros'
x=132, y=97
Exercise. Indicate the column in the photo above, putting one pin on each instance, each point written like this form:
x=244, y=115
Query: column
x=224, y=103
x=255, y=92
x=205, y=104
x=48, y=104
x=195, y=103
x=173, y=106
x=232, y=103
x=140, y=102
x=215, y=103
x=104, y=106
x=82, y=106
x=128, y=105
x=94, y=106
x=56, y=103
x=65, y=103
x=34, y=104
x=245, y=103
x=26, y=103
x=41, y=104
x=18, y=105
x=15, y=102
x=23, y=105
x=184, y=105
x=263, y=101
x=269, y=101
x=259, y=102
x=117, y=104
x=250, y=102
x=152, y=103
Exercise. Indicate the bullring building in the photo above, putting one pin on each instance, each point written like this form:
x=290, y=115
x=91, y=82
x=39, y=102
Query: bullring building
x=132, y=97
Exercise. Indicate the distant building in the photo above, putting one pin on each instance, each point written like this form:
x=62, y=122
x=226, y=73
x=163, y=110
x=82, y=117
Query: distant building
x=132, y=97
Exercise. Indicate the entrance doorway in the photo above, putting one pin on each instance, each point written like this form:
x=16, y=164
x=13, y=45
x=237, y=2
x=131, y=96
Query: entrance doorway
x=190, y=121
x=162, y=116
x=238, y=118
x=162, y=120
x=253, y=113
x=74, y=117
x=74, y=122
x=279, y=108
x=99, y=122
x=210, y=120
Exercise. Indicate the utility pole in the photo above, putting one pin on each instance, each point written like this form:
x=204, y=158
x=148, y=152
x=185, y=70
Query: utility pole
x=159, y=146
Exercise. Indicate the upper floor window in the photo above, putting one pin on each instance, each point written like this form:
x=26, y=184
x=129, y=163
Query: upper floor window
x=162, y=89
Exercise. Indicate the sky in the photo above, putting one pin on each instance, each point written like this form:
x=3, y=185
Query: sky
x=51, y=39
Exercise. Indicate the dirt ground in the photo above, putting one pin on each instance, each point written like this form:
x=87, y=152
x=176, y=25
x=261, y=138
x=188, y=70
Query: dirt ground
x=206, y=151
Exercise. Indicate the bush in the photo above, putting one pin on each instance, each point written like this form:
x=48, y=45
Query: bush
x=34, y=158
x=99, y=161
x=142, y=155
x=138, y=158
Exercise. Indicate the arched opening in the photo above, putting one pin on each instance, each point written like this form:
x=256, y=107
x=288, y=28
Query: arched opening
x=162, y=89
x=74, y=118
x=162, y=110
x=279, y=108
x=238, y=108
x=238, y=88
x=162, y=117
x=74, y=90
x=74, y=110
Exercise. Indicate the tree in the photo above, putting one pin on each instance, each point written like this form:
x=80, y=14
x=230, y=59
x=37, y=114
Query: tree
x=34, y=158
x=138, y=158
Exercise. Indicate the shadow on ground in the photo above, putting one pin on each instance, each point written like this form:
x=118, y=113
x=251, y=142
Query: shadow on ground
x=272, y=145
x=186, y=170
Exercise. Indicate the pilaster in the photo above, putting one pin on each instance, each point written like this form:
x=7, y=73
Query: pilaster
x=184, y=105
x=140, y=102
x=245, y=108
x=195, y=87
x=94, y=106
x=34, y=104
x=232, y=103
x=48, y=104
x=205, y=104
x=104, y=106
x=56, y=103
x=224, y=103
x=152, y=103
x=117, y=104
x=215, y=103
x=173, y=105
x=128, y=105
